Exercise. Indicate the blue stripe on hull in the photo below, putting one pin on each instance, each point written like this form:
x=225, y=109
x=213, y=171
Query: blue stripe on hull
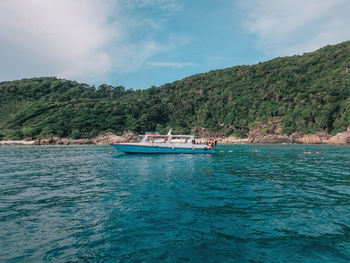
x=152, y=149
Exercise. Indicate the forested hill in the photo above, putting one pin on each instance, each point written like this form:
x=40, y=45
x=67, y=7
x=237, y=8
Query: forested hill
x=304, y=94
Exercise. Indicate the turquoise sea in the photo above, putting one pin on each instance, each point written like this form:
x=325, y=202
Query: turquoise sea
x=83, y=204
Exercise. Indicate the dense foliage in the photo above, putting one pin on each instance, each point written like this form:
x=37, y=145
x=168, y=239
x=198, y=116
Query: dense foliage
x=304, y=94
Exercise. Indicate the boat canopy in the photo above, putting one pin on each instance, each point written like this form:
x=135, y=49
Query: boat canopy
x=157, y=134
x=154, y=136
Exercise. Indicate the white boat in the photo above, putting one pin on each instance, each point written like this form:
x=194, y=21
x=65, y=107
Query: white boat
x=153, y=142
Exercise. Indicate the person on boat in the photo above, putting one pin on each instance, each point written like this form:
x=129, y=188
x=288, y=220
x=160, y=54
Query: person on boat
x=193, y=141
x=210, y=144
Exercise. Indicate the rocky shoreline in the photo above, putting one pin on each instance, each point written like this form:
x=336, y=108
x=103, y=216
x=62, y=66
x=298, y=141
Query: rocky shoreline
x=110, y=138
x=342, y=138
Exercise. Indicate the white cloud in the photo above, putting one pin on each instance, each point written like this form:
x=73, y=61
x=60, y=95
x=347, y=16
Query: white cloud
x=287, y=27
x=48, y=37
x=171, y=64
x=83, y=40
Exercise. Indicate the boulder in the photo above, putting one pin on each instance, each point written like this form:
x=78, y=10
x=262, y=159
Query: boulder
x=130, y=136
x=108, y=138
x=308, y=139
x=342, y=138
x=317, y=138
x=47, y=141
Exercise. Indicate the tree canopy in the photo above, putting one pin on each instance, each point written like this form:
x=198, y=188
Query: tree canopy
x=305, y=94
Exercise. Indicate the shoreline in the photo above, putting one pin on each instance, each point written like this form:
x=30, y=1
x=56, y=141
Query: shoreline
x=342, y=138
x=10, y=144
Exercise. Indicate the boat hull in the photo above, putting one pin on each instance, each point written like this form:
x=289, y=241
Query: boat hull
x=157, y=149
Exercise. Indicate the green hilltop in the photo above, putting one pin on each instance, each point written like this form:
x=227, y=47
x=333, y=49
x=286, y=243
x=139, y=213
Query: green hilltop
x=303, y=94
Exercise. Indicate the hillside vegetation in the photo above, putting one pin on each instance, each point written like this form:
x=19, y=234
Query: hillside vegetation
x=304, y=94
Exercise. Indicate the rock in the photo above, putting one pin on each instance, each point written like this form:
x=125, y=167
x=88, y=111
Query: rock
x=61, y=141
x=130, y=136
x=308, y=139
x=74, y=142
x=283, y=138
x=317, y=138
x=341, y=138
x=231, y=139
x=46, y=141
x=270, y=138
x=108, y=138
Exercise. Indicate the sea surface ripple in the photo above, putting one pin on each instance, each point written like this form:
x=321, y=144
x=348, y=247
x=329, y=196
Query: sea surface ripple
x=83, y=204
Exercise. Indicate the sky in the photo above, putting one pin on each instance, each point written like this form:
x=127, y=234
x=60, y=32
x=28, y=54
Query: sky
x=144, y=43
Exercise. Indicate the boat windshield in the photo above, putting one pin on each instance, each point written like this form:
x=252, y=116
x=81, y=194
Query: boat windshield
x=165, y=139
x=155, y=139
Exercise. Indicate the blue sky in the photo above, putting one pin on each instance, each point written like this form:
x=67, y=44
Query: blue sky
x=140, y=43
